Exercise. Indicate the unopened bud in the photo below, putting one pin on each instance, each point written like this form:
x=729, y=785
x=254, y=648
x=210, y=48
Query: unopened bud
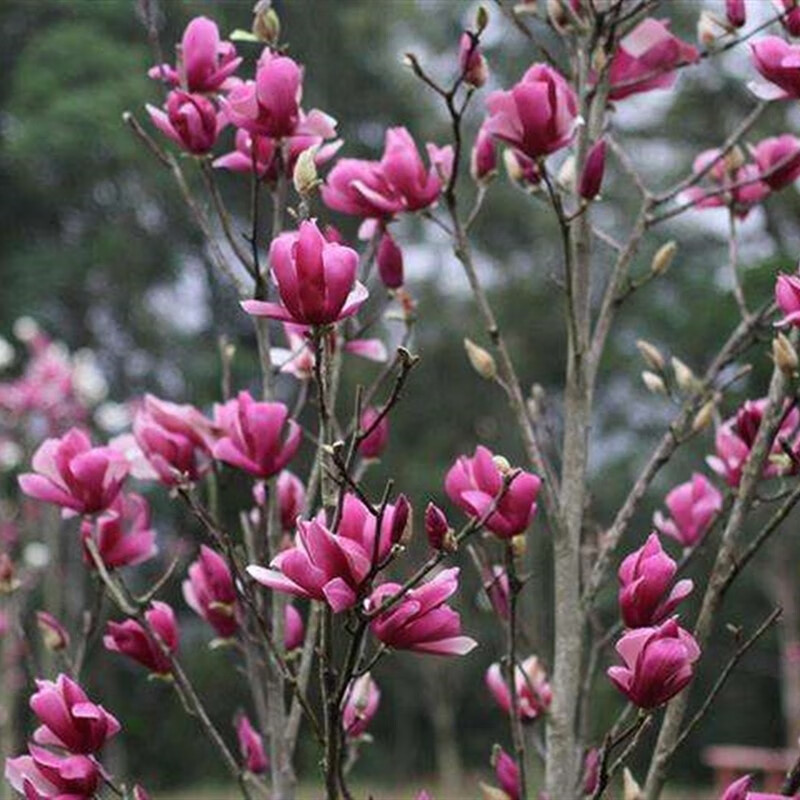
x=710, y=29
x=266, y=23
x=684, y=376
x=654, y=383
x=651, y=354
x=402, y=522
x=54, y=634
x=566, y=175
x=558, y=15
x=518, y=545
x=482, y=360
x=593, y=170
x=492, y=792
x=784, y=355
x=305, y=176
x=734, y=159
x=703, y=417
x=663, y=258
x=501, y=462
x=481, y=19
x=8, y=579
x=599, y=59
x=440, y=534
x=630, y=788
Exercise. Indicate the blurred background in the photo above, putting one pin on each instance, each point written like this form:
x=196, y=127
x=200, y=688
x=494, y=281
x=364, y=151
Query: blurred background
x=98, y=248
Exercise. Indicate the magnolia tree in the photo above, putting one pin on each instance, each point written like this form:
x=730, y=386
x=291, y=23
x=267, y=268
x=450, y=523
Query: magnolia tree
x=314, y=588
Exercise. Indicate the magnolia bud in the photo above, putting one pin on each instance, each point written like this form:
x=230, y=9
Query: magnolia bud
x=558, y=15
x=518, y=545
x=736, y=13
x=630, y=788
x=482, y=360
x=8, y=579
x=566, y=175
x=663, y=258
x=492, y=792
x=440, y=534
x=593, y=170
x=481, y=19
x=54, y=634
x=402, y=522
x=521, y=169
x=266, y=23
x=684, y=377
x=703, y=417
x=651, y=354
x=654, y=383
x=784, y=355
x=305, y=176
x=390, y=262
x=501, y=462
x=734, y=159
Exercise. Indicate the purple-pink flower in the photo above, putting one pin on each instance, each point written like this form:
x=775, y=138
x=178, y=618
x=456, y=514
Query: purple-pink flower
x=787, y=297
x=778, y=62
x=390, y=262
x=259, y=438
x=474, y=484
x=70, y=473
x=471, y=62
x=190, y=120
x=251, y=746
x=175, y=439
x=778, y=158
x=69, y=719
x=359, y=705
x=647, y=59
x=421, y=621
x=291, y=498
x=536, y=116
x=658, y=663
x=534, y=694
x=122, y=534
x=131, y=639
x=46, y=775
x=692, y=505
x=210, y=593
x=205, y=63
x=645, y=577
x=374, y=443
x=316, y=279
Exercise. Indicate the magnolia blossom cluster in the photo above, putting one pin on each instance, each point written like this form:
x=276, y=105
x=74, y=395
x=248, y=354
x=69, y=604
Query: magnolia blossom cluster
x=63, y=755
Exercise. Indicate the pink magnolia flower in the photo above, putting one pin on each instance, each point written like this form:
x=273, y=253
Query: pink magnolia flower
x=205, y=63
x=122, y=534
x=778, y=158
x=251, y=746
x=522, y=169
x=270, y=105
x=316, y=279
x=70, y=473
x=358, y=187
x=321, y=566
x=740, y=790
x=592, y=176
x=313, y=130
x=507, y=773
x=474, y=484
x=779, y=64
x=483, y=161
x=591, y=771
x=734, y=185
x=291, y=498
x=735, y=438
x=401, y=165
x=537, y=116
x=647, y=59
x=332, y=566
x=139, y=793
x=359, y=705
x=736, y=13
x=373, y=445
x=45, y=775
x=69, y=719
x=791, y=15
x=189, y=120
x=787, y=296
x=534, y=694
x=436, y=526
x=390, y=262
x=471, y=62
x=294, y=630
x=258, y=438
x=54, y=635
x=210, y=593
x=692, y=508
x=659, y=663
x=131, y=639
x=645, y=577
x=175, y=439
x=421, y=621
